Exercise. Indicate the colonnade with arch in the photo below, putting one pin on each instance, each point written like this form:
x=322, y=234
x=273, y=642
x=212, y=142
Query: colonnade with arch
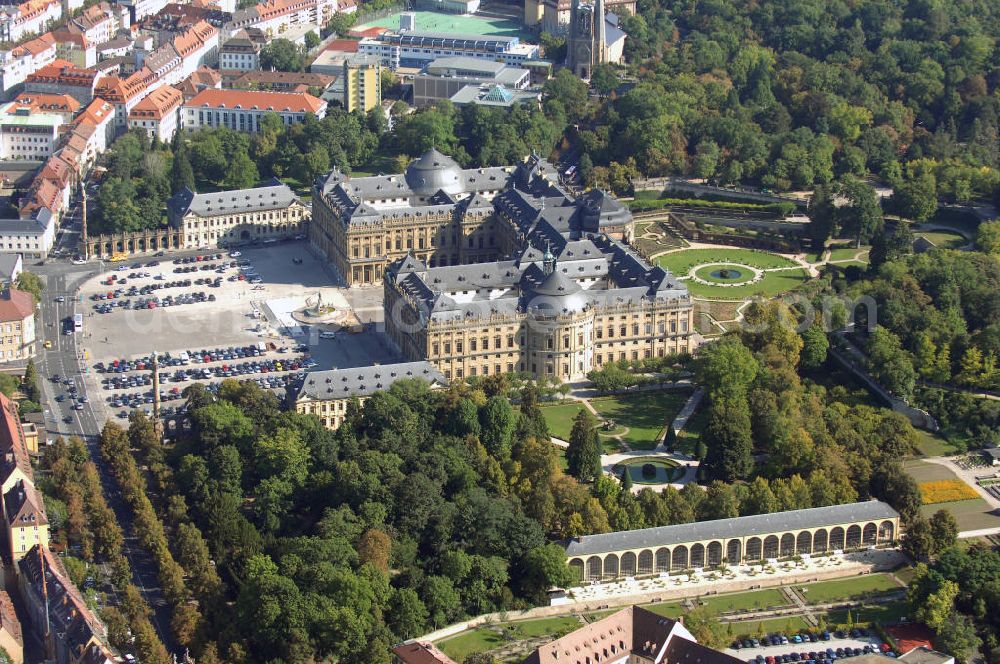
x=732, y=551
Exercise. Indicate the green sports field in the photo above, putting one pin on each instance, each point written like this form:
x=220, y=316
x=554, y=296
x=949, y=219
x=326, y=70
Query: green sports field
x=455, y=23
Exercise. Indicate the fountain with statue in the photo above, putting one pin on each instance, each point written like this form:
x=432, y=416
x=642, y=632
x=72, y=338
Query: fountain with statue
x=316, y=312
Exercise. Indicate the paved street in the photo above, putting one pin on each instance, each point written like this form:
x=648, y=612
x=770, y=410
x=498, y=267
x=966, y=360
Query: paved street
x=63, y=358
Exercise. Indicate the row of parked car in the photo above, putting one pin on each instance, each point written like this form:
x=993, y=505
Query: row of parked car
x=123, y=382
x=200, y=259
x=780, y=639
x=133, y=291
x=188, y=356
x=134, y=401
x=822, y=656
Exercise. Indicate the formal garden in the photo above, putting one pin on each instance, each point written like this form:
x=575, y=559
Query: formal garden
x=728, y=273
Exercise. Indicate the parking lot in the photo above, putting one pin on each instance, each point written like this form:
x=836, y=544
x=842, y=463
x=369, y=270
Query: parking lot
x=820, y=650
x=216, y=305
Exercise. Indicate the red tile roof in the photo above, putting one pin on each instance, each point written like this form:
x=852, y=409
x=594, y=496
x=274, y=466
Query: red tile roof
x=65, y=73
x=43, y=101
x=118, y=90
x=421, y=652
x=344, y=45
x=158, y=103
x=97, y=112
x=8, y=617
x=264, y=101
x=910, y=636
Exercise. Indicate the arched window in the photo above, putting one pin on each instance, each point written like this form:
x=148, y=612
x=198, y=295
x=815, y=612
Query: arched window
x=869, y=534
x=837, y=538
x=771, y=546
x=733, y=552
x=593, y=568
x=820, y=541
x=663, y=560
x=714, y=554
x=803, y=543
x=886, y=531
x=646, y=562
x=787, y=545
x=610, y=566
x=754, y=549
x=854, y=537
x=577, y=566
x=698, y=555
x=680, y=557
x=628, y=564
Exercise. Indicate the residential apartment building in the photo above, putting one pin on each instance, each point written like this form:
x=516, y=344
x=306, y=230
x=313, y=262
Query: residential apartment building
x=99, y=23
x=58, y=613
x=417, y=48
x=362, y=83
x=17, y=325
x=74, y=48
x=32, y=237
x=17, y=63
x=20, y=20
x=239, y=216
x=326, y=394
x=240, y=53
x=158, y=113
x=62, y=77
x=25, y=522
x=241, y=110
x=11, y=638
x=280, y=81
x=139, y=9
x=31, y=125
x=276, y=17
x=125, y=93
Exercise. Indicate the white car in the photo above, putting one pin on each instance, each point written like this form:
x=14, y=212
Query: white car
x=79, y=261
x=327, y=335
x=235, y=254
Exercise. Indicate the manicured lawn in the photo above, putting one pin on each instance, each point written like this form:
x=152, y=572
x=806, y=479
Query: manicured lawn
x=669, y=610
x=790, y=625
x=905, y=574
x=759, y=599
x=646, y=414
x=945, y=239
x=858, y=586
x=687, y=440
x=877, y=613
x=847, y=253
x=931, y=444
x=560, y=418
x=681, y=262
x=736, y=274
x=466, y=643
x=923, y=471
x=483, y=639
x=773, y=283
x=970, y=514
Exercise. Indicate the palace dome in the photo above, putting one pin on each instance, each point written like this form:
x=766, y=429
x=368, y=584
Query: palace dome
x=432, y=172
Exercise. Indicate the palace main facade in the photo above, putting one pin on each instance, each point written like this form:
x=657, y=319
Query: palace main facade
x=499, y=270
x=445, y=215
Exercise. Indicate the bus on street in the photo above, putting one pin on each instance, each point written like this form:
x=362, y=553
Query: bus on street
x=77, y=322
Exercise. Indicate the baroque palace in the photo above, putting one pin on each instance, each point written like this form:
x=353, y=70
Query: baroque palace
x=498, y=270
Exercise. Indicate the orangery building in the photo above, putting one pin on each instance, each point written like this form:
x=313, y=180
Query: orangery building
x=742, y=540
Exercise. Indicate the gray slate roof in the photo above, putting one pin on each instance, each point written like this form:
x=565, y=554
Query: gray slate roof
x=723, y=529
x=273, y=196
x=364, y=381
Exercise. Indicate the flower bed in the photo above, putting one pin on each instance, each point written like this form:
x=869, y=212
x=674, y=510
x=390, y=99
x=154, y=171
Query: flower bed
x=945, y=491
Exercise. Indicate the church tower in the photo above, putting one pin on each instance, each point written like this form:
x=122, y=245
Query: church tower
x=586, y=44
